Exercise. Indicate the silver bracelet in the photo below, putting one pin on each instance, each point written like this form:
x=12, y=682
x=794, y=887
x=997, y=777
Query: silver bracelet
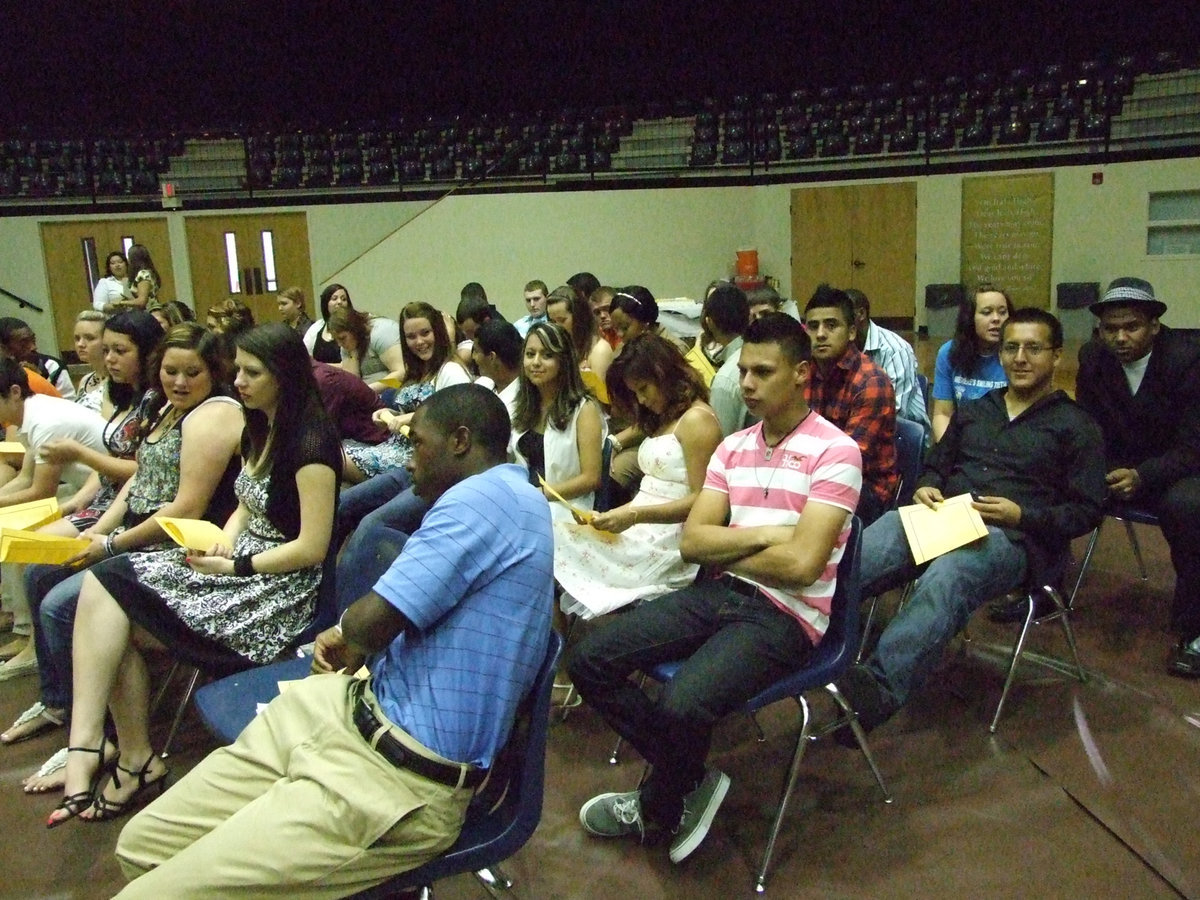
x=616, y=444
x=109, y=546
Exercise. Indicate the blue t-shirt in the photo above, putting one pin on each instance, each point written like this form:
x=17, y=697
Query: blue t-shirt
x=956, y=386
x=477, y=581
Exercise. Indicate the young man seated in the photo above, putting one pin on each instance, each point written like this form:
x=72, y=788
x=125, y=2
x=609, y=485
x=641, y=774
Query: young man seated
x=1034, y=463
x=340, y=784
x=773, y=516
x=853, y=393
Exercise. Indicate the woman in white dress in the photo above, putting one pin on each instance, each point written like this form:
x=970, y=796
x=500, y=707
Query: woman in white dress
x=640, y=558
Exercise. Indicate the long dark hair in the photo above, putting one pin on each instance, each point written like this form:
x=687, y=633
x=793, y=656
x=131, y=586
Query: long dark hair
x=415, y=368
x=300, y=423
x=571, y=389
x=139, y=258
x=145, y=332
x=583, y=321
x=356, y=323
x=964, y=349
x=329, y=291
x=651, y=358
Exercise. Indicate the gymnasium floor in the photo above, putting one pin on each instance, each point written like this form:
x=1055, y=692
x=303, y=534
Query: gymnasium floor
x=1085, y=791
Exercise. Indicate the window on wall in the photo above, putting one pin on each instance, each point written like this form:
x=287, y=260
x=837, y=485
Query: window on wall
x=231, y=260
x=268, y=244
x=1174, y=226
x=91, y=263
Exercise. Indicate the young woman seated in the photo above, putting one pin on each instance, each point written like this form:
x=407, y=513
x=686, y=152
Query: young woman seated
x=237, y=605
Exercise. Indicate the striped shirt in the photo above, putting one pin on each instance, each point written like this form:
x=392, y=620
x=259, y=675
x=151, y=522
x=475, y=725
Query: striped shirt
x=477, y=582
x=818, y=462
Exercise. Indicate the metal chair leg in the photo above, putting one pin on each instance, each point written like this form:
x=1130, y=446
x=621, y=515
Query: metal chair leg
x=1018, y=649
x=872, y=602
x=760, y=881
x=494, y=881
x=183, y=705
x=1137, y=547
x=860, y=736
x=614, y=757
x=1064, y=616
x=1087, y=559
x=162, y=690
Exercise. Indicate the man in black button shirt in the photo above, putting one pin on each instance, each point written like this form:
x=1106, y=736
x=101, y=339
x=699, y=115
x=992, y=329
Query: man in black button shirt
x=1033, y=460
x=1141, y=381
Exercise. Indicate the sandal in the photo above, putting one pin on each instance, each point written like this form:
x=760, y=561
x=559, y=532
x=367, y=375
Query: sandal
x=105, y=810
x=40, y=717
x=74, y=804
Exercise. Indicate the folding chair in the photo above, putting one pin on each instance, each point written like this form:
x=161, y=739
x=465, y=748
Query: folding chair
x=830, y=660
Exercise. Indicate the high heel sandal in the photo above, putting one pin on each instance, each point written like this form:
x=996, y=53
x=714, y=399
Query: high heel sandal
x=74, y=804
x=104, y=810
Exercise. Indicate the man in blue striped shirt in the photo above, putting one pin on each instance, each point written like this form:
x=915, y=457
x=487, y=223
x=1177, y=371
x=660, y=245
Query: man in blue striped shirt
x=340, y=784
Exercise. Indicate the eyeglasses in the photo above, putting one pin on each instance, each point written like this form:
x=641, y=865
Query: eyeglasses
x=1031, y=350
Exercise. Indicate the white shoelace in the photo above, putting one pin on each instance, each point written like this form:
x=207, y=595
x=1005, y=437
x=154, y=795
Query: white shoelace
x=627, y=812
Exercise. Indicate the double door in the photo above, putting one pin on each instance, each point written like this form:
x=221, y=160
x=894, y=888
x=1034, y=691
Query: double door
x=250, y=258
x=858, y=236
x=75, y=254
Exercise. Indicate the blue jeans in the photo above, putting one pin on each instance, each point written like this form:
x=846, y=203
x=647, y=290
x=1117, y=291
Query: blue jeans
x=732, y=647
x=951, y=588
x=53, y=593
x=386, y=501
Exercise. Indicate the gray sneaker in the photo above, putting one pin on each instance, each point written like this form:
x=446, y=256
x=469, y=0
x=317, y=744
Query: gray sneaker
x=613, y=815
x=699, y=809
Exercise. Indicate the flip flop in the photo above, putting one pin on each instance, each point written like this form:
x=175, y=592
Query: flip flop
x=38, y=714
x=10, y=670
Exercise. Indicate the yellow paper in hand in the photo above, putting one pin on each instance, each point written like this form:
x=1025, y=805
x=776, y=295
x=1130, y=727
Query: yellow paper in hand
x=953, y=523
x=193, y=534
x=390, y=382
x=582, y=516
x=30, y=515
x=12, y=447
x=30, y=547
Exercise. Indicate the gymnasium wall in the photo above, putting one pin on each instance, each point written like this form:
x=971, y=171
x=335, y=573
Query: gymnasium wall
x=672, y=240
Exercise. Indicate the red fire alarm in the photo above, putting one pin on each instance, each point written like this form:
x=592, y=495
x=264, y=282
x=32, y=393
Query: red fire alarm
x=1097, y=178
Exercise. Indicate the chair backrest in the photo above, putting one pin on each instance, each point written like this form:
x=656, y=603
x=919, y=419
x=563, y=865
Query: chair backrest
x=839, y=646
x=492, y=833
x=910, y=446
x=603, y=501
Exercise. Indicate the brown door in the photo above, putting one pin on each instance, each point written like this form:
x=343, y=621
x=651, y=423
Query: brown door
x=75, y=253
x=250, y=258
x=859, y=236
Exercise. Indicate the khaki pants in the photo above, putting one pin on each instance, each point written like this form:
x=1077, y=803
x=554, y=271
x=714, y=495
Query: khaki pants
x=299, y=806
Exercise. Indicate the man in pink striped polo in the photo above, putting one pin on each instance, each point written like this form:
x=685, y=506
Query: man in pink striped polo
x=771, y=523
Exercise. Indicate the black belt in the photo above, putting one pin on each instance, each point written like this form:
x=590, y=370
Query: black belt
x=738, y=586
x=401, y=757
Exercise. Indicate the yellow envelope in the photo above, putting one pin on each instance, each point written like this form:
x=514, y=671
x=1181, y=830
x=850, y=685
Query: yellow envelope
x=953, y=523
x=31, y=515
x=194, y=534
x=29, y=547
x=390, y=382
x=582, y=516
x=11, y=447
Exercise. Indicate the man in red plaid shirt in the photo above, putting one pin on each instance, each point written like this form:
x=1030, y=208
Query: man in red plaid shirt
x=854, y=394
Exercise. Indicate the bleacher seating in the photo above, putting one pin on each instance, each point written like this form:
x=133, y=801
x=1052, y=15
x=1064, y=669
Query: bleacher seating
x=1088, y=105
